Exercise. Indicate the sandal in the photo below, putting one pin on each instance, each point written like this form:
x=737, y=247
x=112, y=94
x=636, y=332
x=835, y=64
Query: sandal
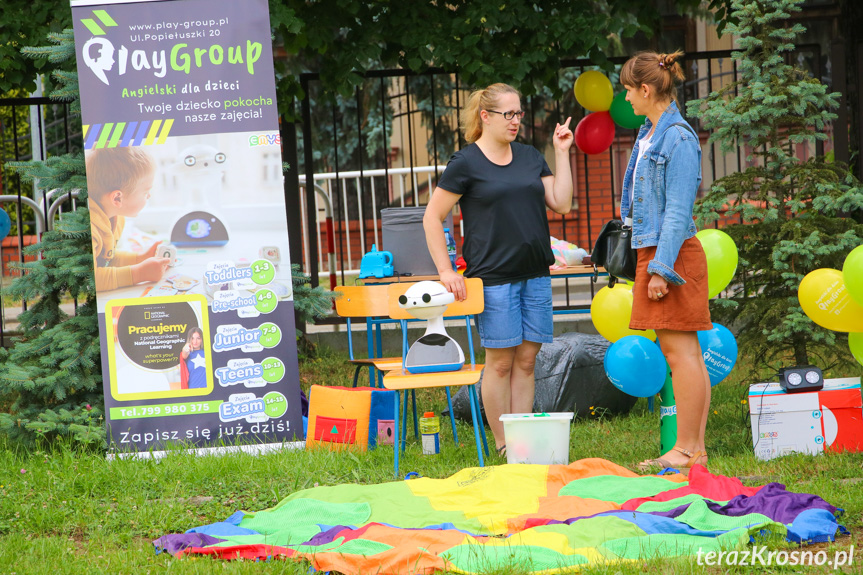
x=659, y=464
x=501, y=451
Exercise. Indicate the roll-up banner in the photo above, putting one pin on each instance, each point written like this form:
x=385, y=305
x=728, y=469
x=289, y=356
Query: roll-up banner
x=190, y=239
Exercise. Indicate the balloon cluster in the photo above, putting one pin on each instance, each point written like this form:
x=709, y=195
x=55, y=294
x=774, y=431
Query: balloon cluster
x=834, y=299
x=633, y=362
x=595, y=132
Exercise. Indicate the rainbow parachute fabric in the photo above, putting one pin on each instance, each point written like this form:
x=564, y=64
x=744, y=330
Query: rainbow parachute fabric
x=540, y=518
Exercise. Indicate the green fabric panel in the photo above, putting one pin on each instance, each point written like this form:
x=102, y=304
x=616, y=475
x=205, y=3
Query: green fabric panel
x=618, y=489
x=652, y=506
x=285, y=539
x=592, y=532
x=699, y=516
x=473, y=558
x=390, y=503
x=667, y=545
x=362, y=547
x=299, y=514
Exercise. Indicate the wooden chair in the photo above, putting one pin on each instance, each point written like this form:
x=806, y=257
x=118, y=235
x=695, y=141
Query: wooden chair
x=400, y=380
x=368, y=302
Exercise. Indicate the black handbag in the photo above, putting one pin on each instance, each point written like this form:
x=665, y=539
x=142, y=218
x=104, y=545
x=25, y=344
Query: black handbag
x=613, y=250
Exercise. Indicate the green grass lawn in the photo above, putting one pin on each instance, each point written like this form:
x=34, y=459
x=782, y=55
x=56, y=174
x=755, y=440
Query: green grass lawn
x=69, y=512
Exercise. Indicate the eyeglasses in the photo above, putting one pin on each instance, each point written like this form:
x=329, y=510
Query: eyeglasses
x=509, y=115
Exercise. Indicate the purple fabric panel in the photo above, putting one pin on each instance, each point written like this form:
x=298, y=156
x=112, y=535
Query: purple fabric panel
x=771, y=500
x=327, y=536
x=173, y=544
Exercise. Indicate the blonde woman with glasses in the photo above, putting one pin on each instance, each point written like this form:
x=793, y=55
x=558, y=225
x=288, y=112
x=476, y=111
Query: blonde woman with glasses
x=503, y=189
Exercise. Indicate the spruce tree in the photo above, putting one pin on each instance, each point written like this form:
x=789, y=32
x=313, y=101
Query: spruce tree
x=52, y=374
x=793, y=211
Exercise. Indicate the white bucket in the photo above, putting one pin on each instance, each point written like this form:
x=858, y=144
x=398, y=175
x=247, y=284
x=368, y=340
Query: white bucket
x=541, y=438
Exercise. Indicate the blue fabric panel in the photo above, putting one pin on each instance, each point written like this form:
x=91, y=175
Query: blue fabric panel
x=653, y=524
x=222, y=529
x=814, y=526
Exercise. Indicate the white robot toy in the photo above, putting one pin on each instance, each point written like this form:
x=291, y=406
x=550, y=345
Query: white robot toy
x=199, y=171
x=435, y=351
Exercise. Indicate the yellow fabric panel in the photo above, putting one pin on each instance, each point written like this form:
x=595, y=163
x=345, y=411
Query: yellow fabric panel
x=487, y=494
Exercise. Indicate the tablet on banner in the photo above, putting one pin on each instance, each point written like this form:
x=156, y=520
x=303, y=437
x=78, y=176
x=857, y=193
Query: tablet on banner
x=190, y=238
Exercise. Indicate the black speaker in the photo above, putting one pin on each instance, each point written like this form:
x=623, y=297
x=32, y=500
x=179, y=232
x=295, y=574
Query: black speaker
x=800, y=378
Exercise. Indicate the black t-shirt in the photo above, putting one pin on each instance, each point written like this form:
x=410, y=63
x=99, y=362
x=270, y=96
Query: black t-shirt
x=506, y=237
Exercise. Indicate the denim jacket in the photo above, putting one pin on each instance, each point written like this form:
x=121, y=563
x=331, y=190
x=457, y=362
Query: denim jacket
x=664, y=191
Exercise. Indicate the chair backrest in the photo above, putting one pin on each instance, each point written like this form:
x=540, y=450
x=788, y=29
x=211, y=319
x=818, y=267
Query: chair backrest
x=473, y=304
x=362, y=301
x=368, y=302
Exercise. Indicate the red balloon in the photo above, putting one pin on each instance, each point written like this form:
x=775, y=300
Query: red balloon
x=594, y=133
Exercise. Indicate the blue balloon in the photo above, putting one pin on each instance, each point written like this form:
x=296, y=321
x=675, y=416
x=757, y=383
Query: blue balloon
x=5, y=224
x=719, y=350
x=635, y=365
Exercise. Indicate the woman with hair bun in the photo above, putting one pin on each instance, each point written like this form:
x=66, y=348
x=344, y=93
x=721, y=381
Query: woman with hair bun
x=503, y=189
x=670, y=292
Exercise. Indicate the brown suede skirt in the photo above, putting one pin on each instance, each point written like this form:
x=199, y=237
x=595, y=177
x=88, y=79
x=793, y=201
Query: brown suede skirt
x=683, y=308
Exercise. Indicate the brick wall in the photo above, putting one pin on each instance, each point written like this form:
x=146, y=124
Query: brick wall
x=11, y=253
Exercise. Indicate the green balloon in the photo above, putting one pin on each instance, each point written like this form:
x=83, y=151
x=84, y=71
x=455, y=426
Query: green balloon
x=622, y=113
x=852, y=274
x=721, y=253
x=855, y=343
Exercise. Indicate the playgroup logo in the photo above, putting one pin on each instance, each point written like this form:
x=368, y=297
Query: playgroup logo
x=100, y=55
x=758, y=555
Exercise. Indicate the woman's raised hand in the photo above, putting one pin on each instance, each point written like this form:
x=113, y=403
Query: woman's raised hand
x=562, y=138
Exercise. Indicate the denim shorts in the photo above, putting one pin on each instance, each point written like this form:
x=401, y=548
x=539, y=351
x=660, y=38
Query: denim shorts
x=516, y=312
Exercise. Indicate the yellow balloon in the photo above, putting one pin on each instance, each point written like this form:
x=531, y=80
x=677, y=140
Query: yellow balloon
x=611, y=310
x=594, y=91
x=825, y=299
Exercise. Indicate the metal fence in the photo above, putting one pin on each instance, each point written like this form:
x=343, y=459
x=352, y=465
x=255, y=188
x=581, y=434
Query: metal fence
x=30, y=128
x=355, y=177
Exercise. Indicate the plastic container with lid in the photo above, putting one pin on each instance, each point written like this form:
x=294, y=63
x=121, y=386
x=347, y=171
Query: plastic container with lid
x=537, y=437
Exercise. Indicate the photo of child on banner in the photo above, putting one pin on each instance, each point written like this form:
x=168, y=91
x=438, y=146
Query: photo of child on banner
x=183, y=218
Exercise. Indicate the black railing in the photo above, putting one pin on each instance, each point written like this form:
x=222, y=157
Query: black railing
x=341, y=139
